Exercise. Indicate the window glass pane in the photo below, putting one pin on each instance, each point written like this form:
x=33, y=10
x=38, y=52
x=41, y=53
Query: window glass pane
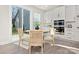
x=37, y=17
x=26, y=19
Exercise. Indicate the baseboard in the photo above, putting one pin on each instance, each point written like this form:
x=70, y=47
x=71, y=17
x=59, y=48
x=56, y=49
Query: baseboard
x=8, y=41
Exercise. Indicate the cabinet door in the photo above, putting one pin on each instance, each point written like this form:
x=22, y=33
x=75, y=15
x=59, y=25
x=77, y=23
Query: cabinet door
x=62, y=12
x=70, y=12
x=59, y=13
x=55, y=14
x=69, y=32
x=77, y=9
x=70, y=20
x=76, y=30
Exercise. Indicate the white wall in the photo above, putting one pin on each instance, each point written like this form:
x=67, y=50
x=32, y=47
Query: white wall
x=5, y=25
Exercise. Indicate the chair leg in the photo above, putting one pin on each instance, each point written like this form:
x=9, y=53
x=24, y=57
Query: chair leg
x=53, y=41
x=42, y=49
x=19, y=42
x=22, y=42
x=29, y=49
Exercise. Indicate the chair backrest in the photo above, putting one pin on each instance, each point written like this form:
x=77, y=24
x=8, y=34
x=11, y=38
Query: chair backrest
x=36, y=36
x=20, y=32
x=52, y=31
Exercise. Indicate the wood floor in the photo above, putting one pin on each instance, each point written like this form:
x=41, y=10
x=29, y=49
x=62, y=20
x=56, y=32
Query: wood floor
x=14, y=49
x=66, y=42
x=48, y=49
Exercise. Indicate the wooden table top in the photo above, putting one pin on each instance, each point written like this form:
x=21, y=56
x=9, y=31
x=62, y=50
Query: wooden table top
x=37, y=30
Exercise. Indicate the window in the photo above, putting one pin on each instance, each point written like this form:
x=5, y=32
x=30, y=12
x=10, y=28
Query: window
x=37, y=17
x=36, y=21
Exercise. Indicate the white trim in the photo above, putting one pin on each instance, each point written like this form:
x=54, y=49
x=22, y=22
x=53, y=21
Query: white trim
x=7, y=42
x=22, y=18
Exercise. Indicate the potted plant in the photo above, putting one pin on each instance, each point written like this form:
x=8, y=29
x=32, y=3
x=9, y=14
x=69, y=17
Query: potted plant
x=36, y=25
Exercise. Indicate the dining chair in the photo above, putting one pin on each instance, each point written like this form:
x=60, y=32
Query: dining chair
x=22, y=36
x=50, y=36
x=36, y=39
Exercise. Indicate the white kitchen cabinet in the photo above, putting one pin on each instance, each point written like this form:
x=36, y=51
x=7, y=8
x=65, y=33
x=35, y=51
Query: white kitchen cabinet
x=77, y=9
x=59, y=13
x=76, y=26
x=70, y=12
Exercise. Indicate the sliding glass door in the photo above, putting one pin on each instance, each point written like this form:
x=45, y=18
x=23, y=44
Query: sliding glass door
x=20, y=19
x=26, y=19
x=16, y=19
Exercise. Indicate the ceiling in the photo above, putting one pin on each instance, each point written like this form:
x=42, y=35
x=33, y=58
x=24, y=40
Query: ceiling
x=45, y=7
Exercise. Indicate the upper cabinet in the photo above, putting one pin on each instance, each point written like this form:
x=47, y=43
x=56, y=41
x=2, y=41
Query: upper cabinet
x=77, y=12
x=77, y=9
x=70, y=12
x=55, y=14
x=59, y=13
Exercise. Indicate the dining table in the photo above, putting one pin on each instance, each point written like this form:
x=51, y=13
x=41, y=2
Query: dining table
x=44, y=31
x=45, y=34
